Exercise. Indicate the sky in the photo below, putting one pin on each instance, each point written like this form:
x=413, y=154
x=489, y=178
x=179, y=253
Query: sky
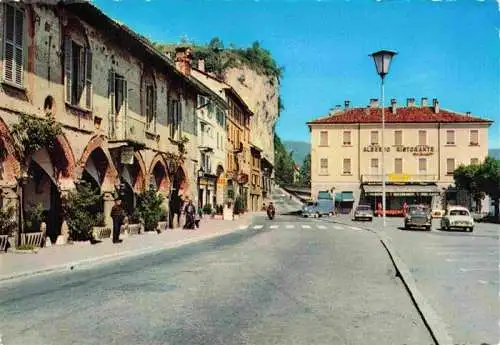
x=447, y=50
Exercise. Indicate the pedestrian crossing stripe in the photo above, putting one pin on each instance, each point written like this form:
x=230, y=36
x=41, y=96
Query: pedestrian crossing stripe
x=274, y=226
x=258, y=226
x=306, y=227
x=290, y=226
x=338, y=227
x=355, y=228
x=321, y=227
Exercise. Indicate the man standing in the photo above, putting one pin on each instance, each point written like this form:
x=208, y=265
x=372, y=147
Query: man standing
x=190, y=212
x=117, y=214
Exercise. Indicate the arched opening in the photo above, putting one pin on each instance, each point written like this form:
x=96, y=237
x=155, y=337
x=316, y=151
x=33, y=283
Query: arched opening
x=48, y=104
x=159, y=179
x=220, y=186
x=175, y=200
x=132, y=180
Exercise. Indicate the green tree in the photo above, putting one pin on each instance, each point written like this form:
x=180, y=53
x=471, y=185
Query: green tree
x=149, y=205
x=305, y=172
x=488, y=176
x=466, y=178
x=283, y=162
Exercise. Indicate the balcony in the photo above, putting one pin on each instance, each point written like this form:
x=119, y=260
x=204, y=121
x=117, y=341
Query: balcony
x=128, y=129
x=399, y=178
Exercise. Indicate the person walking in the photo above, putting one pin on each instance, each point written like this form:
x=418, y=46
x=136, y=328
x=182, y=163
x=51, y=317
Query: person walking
x=199, y=215
x=190, y=212
x=117, y=214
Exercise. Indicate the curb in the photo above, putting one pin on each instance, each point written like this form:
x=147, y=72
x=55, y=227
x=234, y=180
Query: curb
x=435, y=325
x=86, y=263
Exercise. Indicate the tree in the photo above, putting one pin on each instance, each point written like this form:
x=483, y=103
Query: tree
x=283, y=162
x=466, y=178
x=488, y=177
x=305, y=172
x=149, y=206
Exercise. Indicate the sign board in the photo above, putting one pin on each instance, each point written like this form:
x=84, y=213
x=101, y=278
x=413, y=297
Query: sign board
x=419, y=150
x=127, y=155
x=398, y=177
x=221, y=181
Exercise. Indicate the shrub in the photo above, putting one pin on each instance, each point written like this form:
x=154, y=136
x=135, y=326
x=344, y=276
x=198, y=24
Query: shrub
x=164, y=214
x=239, y=206
x=33, y=218
x=149, y=206
x=135, y=217
x=219, y=209
x=7, y=222
x=82, y=212
x=207, y=209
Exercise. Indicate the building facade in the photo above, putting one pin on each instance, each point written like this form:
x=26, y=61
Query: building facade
x=423, y=146
x=128, y=113
x=255, y=179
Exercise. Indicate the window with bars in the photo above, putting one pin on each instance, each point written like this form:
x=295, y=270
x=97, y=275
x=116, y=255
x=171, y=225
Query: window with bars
x=398, y=165
x=150, y=109
x=450, y=137
x=346, y=138
x=374, y=137
x=474, y=137
x=346, y=166
x=175, y=119
x=398, y=138
x=422, y=165
x=13, y=52
x=374, y=166
x=323, y=138
x=450, y=166
x=77, y=74
x=474, y=161
x=323, y=168
x=422, y=137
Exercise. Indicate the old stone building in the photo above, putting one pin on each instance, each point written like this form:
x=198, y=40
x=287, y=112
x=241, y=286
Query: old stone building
x=128, y=113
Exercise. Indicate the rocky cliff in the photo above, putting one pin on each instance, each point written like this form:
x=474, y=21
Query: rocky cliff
x=261, y=93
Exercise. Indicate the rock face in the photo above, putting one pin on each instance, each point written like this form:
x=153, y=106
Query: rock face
x=260, y=93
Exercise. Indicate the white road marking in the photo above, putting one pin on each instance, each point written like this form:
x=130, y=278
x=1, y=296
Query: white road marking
x=484, y=282
x=321, y=227
x=290, y=226
x=355, y=228
x=463, y=253
x=274, y=226
x=306, y=226
x=258, y=226
x=467, y=260
x=338, y=227
x=479, y=269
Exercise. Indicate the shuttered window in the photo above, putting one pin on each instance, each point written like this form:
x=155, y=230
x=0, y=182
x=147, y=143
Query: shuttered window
x=422, y=137
x=175, y=118
x=422, y=165
x=374, y=166
x=374, y=137
x=398, y=138
x=398, y=165
x=346, y=166
x=347, y=138
x=474, y=137
x=77, y=74
x=323, y=138
x=323, y=168
x=450, y=137
x=474, y=161
x=150, y=107
x=450, y=166
x=13, y=45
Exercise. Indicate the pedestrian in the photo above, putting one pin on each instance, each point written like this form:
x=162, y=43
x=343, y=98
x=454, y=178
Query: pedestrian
x=199, y=215
x=117, y=214
x=405, y=208
x=190, y=212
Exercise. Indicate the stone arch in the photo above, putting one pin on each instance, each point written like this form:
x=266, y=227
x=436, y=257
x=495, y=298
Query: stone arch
x=63, y=159
x=97, y=146
x=158, y=174
x=9, y=162
x=140, y=170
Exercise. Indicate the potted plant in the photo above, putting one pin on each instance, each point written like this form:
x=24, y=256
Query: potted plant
x=7, y=226
x=162, y=224
x=149, y=209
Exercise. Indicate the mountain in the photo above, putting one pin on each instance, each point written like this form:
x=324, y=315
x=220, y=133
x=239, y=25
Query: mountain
x=300, y=150
x=492, y=152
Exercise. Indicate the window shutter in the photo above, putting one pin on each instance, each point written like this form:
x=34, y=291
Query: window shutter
x=13, y=45
x=422, y=137
x=68, y=68
x=19, y=60
x=88, y=78
x=154, y=107
x=9, y=44
x=111, y=91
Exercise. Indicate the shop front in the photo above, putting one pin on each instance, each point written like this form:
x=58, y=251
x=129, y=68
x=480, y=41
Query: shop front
x=344, y=202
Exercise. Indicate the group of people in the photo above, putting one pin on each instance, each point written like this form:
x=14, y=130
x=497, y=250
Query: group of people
x=193, y=218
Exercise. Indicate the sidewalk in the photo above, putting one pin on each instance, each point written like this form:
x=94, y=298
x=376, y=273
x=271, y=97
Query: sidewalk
x=60, y=258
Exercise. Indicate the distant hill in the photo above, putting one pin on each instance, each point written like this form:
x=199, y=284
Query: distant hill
x=492, y=152
x=300, y=150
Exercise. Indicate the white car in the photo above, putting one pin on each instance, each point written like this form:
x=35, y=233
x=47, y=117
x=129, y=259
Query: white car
x=457, y=217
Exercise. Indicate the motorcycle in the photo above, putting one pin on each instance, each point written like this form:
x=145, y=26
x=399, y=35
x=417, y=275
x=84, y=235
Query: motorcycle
x=270, y=213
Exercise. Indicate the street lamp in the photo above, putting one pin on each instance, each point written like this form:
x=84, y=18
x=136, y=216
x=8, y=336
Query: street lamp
x=382, y=60
x=201, y=173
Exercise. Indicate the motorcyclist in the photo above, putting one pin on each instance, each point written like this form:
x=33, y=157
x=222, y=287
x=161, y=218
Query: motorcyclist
x=271, y=210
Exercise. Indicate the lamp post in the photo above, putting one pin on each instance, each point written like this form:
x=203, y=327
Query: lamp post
x=200, y=175
x=382, y=59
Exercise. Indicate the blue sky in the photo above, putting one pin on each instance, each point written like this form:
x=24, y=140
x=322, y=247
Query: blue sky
x=447, y=49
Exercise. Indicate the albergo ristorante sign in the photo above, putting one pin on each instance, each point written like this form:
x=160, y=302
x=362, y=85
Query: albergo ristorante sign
x=419, y=150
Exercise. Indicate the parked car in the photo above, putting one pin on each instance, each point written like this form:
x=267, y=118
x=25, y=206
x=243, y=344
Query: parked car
x=457, y=217
x=418, y=216
x=310, y=209
x=363, y=212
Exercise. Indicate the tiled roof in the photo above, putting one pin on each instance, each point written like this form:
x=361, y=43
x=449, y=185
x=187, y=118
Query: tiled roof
x=402, y=115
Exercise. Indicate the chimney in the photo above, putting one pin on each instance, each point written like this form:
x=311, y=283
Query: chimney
x=410, y=102
x=435, y=104
x=331, y=112
x=393, y=106
x=346, y=104
x=373, y=103
x=183, y=60
x=423, y=102
x=338, y=108
x=201, y=64
x=467, y=113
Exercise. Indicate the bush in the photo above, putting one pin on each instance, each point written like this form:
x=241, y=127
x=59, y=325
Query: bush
x=164, y=214
x=207, y=209
x=99, y=221
x=149, y=206
x=219, y=209
x=239, y=206
x=82, y=212
x=135, y=217
x=33, y=218
x=7, y=222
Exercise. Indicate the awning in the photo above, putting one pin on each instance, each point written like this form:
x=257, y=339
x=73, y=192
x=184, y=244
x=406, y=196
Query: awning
x=344, y=197
x=402, y=190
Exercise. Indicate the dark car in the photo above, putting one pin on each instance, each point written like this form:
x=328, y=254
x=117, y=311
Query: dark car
x=418, y=216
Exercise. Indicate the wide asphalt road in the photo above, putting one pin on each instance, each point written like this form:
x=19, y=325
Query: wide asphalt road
x=457, y=272
x=287, y=281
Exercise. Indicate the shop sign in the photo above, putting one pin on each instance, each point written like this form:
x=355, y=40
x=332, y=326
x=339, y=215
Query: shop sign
x=398, y=177
x=221, y=181
x=419, y=150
